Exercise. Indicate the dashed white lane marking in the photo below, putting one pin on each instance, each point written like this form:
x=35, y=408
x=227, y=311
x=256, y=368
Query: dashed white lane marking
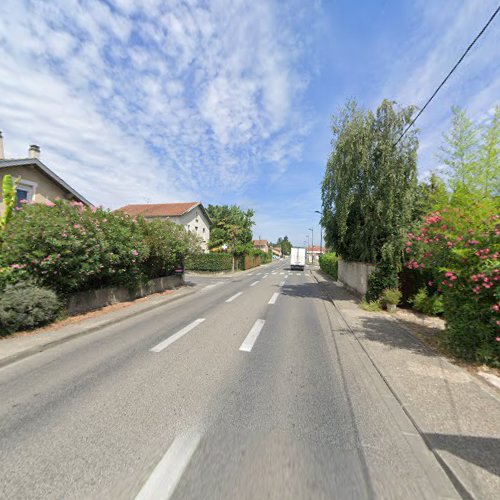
x=254, y=283
x=235, y=296
x=265, y=276
x=283, y=283
x=258, y=274
x=273, y=299
x=250, y=274
x=208, y=287
x=274, y=272
x=252, y=336
x=177, y=336
x=282, y=273
x=166, y=475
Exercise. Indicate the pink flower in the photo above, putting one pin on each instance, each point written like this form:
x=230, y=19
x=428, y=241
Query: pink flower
x=50, y=204
x=498, y=338
x=495, y=307
x=408, y=243
x=135, y=252
x=430, y=283
x=76, y=226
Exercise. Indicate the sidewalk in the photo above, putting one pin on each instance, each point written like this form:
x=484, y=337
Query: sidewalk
x=457, y=414
x=22, y=345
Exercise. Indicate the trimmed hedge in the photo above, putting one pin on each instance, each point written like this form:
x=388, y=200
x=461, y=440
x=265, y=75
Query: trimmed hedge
x=210, y=262
x=329, y=263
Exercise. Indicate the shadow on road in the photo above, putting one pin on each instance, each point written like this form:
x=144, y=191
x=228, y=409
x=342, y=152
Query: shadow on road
x=481, y=451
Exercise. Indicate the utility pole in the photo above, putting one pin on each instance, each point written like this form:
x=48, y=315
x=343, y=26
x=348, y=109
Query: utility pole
x=312, y=244
x=320, y=235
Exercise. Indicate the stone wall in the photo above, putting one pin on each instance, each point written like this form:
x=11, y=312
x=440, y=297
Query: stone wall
x=82, y=302
x=354, y=275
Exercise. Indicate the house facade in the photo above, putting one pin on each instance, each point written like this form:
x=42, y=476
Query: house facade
x=261, y=245
x=313, y=253
x=192, y=216
x=35, y=181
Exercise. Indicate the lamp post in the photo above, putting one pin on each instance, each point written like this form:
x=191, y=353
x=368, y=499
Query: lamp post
x=320, y=235
x=312, y=245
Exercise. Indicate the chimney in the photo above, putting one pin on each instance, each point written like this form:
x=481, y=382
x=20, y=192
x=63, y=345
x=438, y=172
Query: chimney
x=2, y=156
x=34, y=151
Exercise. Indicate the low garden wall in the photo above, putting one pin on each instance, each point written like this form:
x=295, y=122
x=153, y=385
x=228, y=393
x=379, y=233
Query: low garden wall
x=354, y=275
x=82, y=302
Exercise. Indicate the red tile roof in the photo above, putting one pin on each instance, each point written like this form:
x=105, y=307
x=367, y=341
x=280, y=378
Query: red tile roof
x=260, y=242
x=159, y=209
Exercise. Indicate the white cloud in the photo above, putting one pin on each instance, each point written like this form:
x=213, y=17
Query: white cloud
x=151, y=100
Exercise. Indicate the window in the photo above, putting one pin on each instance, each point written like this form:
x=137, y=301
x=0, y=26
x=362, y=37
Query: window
x=203, y=229
x=24, y=192
x=196, y=229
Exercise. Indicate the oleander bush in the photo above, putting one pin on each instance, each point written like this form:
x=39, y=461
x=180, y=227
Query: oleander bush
x=69, y=247
x=329, y=263
x=460, y=246
x=209, y=262
x=25, y=305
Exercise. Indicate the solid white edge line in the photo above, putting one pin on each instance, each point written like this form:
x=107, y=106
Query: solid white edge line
x=252, y=336
x=254, y=283
x=235, y=296
x=166, y=475
x=273, y=299
x=177, y=336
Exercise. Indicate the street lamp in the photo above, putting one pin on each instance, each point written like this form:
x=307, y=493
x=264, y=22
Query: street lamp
x=312, y=245
x=321, y=235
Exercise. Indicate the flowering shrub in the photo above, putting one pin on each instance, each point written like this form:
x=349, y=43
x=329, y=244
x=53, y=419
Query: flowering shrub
x=70, y=247
x=460, y=246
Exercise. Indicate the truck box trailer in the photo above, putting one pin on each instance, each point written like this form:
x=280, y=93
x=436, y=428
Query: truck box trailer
x=298, y=258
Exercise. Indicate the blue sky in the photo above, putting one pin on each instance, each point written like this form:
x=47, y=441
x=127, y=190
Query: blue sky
x=228, y=101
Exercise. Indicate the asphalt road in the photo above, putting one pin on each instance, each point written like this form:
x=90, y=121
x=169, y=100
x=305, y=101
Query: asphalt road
x=250, y=388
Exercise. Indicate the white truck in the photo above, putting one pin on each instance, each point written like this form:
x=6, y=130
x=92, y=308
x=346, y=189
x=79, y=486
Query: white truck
x=298, y=258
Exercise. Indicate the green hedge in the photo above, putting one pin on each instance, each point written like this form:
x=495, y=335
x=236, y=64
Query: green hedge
x=210, y=262
x=329, y=263
x=69, y=247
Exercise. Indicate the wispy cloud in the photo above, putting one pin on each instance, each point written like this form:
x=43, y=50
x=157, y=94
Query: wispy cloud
x=152, y=100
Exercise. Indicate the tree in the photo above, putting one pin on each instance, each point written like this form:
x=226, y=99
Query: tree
x=430, y=195
x=460, y=153
x=369, y=183
x=286, y=246
x=232, y=226
x=489, y=157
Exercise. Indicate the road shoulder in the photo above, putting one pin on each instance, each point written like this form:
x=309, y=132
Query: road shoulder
x=456, y=414
x=24, y=344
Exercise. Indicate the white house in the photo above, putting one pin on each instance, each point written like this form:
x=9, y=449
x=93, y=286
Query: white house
x=192, y=216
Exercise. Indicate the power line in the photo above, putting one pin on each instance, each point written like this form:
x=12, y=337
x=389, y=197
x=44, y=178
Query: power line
x=450, y=73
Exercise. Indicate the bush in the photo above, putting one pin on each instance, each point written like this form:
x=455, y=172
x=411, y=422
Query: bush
x=373, y=306
x=460, y=246
x=70, y=247
x=391, y=296
x=24, y=306
x=210, y=262
x=329, y=263
x=427, y=304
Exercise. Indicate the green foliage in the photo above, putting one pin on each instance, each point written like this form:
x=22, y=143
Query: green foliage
x=232, y=226
x=373, y=306
x=428, y=304
x=460, y=246
x=285, y=245
x=24, y=306
x=169, y=244
x=9, y=200
x=329, y=263
x=391, y=296
x=209, y=262
x=69, y=247
x=385, y=275
x=369, y=183
x=472, y=155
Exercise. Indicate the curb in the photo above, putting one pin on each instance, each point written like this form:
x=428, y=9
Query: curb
x=448, y=470
x=53, y=343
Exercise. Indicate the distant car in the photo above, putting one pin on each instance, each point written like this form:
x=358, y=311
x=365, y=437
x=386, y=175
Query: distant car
x=298, y=258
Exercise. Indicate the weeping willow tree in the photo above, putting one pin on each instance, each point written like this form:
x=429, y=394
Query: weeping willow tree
x=369, y=187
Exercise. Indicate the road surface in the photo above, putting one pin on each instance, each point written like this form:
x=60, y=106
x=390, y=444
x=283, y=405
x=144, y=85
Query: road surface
x=252, y=387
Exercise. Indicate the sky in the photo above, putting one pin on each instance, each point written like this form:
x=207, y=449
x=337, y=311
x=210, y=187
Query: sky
x=228, y=101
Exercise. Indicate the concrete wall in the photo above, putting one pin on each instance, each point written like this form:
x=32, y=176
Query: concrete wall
x=94, y=299
x=354, y=275
x=44, y=188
